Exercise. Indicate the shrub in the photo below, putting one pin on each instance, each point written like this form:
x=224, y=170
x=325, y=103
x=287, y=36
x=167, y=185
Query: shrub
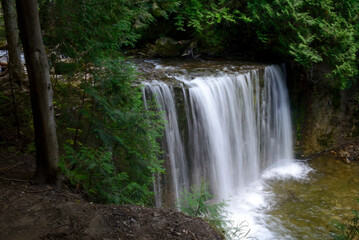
x=197, y=203
x=95, y=171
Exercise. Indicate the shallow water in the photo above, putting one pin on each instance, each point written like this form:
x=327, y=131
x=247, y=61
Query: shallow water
x=299, y=201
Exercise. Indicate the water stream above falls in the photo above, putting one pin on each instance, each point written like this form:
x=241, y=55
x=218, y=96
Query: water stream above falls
x=228, y=123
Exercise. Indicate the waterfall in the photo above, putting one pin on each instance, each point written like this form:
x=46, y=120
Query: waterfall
x=237, y=125
x=174, y=147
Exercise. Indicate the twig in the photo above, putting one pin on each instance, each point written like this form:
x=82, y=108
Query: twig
x=3, y=195
x=71, y=195
x=180, y=223
x=7, y=168
x=3, y=205
x=62, y=225
x=10, y=156
x=193, y=234
x=42, y=190
x=13, y=179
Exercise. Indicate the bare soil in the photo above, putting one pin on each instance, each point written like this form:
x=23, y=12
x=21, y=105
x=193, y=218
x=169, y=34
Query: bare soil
x=45, y=212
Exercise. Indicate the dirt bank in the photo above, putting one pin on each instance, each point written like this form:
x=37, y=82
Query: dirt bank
x=44, y=212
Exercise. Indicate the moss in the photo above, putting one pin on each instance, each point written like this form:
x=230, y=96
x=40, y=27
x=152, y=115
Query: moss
x=326, y=140
x=298, y=132
x=336, y=99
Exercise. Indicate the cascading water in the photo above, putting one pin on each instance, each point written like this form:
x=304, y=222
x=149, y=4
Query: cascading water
x=174, y=147
x=237, y=126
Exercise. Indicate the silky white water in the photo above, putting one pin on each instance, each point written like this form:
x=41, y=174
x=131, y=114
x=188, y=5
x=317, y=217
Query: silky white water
x=251, y=206
x=235, y=134
x=174, y=147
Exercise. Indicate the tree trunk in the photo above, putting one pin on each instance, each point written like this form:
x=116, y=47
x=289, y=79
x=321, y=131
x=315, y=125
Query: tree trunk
x=12, y=35
x=40, y=91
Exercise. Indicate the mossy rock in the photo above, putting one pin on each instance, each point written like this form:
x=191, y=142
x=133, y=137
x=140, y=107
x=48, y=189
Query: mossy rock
x=167, y=47
x=326, y=140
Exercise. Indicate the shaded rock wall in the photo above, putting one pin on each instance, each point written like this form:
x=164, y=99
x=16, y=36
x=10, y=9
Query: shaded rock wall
x=323, y=118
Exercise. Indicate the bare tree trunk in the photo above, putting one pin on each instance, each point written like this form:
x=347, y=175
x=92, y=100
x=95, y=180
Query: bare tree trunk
x=40, y=91
x=13, y=42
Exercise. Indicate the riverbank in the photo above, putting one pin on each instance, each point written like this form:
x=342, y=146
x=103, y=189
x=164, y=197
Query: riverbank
x=45, y=212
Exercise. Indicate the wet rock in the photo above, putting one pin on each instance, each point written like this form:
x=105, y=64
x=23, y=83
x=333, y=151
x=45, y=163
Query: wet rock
x=344, y=154
x=166, y=47
x=347, y=153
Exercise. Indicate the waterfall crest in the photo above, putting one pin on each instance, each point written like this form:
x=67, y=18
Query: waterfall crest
x=237, y=125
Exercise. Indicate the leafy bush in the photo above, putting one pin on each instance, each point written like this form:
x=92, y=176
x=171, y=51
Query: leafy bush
x=16, y=126
x=209, y=22
x=99, y=99
x=119, y=120
x=112, y=119
x=197, y=203
x=305, y=32
x=95, y=171
x=311, y=32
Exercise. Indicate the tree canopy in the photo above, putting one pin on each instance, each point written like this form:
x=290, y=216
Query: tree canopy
x=313, y=34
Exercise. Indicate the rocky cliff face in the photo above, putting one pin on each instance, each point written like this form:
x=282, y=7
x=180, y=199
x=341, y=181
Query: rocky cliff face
x=324, y=118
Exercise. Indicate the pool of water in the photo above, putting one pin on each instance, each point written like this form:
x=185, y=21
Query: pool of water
x=299, y=200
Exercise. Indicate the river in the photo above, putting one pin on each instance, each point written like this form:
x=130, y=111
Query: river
x=298, y=201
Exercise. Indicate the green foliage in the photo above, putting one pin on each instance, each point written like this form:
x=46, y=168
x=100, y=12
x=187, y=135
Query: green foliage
x=162, y=8
x=314, y=34
x=111, y=115
x=209, y=21
x=65, y=68
x=97, y=29
x=199, y=14
x=93, y=29
x=197, y=203
x=99, y=99
x=19, y=125
x=311, y=32
x=96, y=172
x=2, y=29
x=119, y=120
x=348, y=230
